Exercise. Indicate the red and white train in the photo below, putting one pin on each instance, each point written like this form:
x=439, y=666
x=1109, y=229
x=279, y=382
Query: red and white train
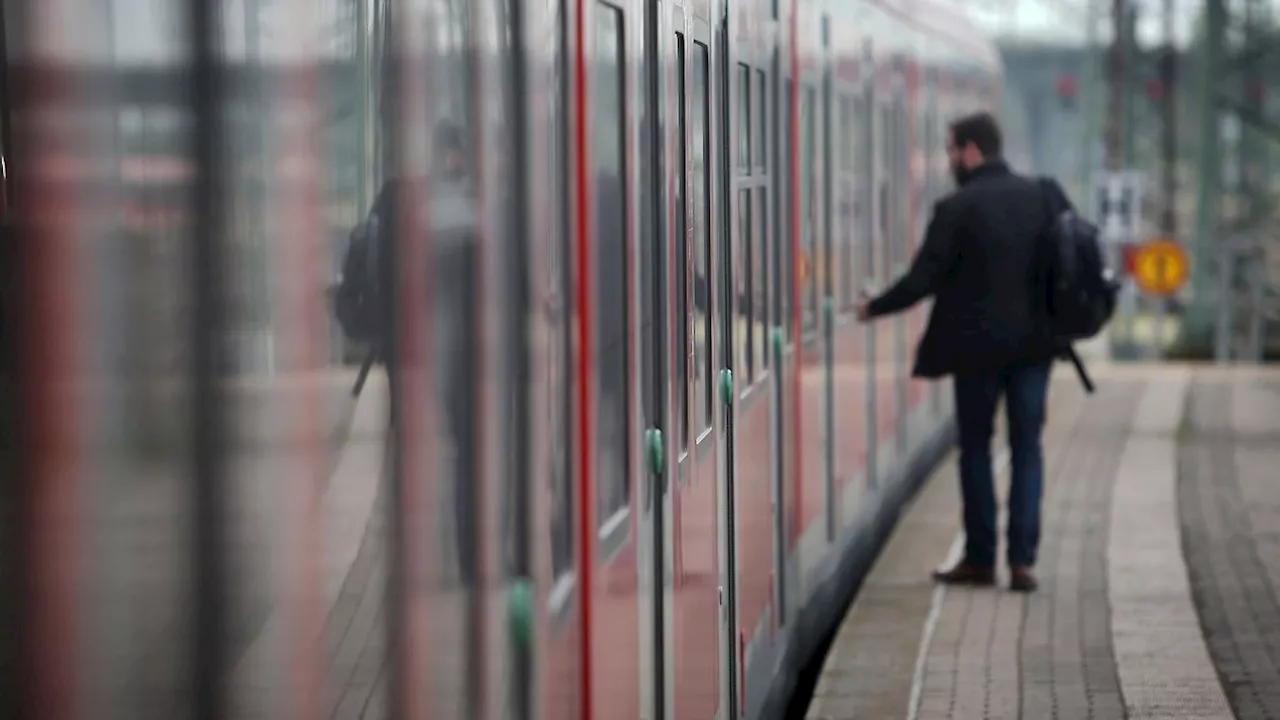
x=716, y=446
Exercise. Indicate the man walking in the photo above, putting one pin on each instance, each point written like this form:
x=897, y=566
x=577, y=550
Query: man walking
x=981, y=262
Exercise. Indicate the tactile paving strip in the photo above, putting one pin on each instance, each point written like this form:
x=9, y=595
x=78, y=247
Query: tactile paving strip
x=1049, y=655
x=1068, y=667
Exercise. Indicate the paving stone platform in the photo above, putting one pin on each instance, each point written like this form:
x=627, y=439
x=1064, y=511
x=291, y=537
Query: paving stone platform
x=1159, y=567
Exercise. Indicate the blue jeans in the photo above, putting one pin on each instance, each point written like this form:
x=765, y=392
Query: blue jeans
x=1025, y=389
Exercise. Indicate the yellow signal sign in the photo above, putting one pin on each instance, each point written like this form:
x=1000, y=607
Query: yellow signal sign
x=1160, y=267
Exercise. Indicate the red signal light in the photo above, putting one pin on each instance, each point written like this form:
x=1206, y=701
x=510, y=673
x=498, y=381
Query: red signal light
x=1155, y=90
x=1066, y=87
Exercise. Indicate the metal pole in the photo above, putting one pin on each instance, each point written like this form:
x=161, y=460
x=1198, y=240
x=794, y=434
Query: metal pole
x=1089, y=107
x=1169, y=113
x=1128, y=52
x=1115, y=133
x=1222, y=334
x=1209, y=185
x=1253, y=141
x=1115, y=79
x=1169, y=167
x=210, y=660
x=1257, y=313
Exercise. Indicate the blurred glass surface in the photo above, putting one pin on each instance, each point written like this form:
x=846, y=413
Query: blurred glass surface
x=352, y=551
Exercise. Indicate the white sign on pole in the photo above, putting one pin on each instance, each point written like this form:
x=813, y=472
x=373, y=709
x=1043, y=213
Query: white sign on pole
x=1119, y=197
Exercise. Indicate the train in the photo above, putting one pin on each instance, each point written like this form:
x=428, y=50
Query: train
x=734, y=444
x=653, y=481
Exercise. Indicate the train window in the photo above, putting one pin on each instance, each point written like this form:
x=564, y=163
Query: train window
x=847, y=130
x=759, y=303
x=652, y=259
x=744, y=118
x=757, y=118
x=903, y=118
x=809, y=188
x=848, y=133
x=700, y=130
x=745, y=337
x=559, y=397
x=610, y=249
x=900, y=181
x=866, y=185
x=786, y=246
x=888, y=181
x=682, y=255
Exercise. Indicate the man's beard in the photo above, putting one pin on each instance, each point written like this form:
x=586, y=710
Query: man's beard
x=960, y=173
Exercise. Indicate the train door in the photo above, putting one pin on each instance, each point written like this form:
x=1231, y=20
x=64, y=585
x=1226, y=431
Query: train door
x=694, y=604
x=753, y=452
x=659, y=316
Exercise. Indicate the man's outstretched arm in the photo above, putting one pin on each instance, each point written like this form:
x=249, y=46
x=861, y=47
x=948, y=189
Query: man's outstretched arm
x=934, y=260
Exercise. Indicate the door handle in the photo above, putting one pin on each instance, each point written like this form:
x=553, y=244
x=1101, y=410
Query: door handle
x=656, y=460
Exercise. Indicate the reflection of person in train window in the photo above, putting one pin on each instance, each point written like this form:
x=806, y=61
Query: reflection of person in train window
x=453, y=289
x=451, y=159
x=451, y=232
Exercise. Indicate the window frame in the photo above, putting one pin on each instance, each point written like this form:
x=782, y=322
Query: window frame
x=611, y=520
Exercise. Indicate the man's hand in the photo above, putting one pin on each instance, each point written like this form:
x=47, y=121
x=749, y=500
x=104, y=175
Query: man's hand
x=863, y=306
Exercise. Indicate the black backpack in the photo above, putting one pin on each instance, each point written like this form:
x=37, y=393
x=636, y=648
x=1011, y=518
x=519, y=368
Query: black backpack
x=1082, y=290
x=357, y=296
x=355, y=300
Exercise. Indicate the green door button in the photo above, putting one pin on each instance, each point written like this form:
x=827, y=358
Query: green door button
x=520, y=613
x=657, y=455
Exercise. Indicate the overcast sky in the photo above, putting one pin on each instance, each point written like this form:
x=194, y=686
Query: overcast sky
x=1068, y=20
x=148, y=31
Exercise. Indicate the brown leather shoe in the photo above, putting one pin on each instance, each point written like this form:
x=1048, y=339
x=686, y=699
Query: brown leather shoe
x=1021, y=579
x=966, y=574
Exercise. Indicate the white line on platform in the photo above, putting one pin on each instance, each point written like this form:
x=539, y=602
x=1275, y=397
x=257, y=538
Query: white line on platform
x=999, y=464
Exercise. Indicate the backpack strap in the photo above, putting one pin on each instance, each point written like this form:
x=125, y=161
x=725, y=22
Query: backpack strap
x=1080, y=369
x=1056, y=204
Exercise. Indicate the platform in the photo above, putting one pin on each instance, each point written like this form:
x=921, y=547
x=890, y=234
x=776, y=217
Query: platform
x=1159, y=570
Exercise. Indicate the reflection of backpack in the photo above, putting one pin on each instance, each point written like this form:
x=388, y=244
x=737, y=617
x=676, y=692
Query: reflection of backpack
x=1082, y=289
x=355, y=302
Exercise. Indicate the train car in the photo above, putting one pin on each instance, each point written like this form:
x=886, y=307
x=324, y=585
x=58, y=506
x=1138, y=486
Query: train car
x=639, y=450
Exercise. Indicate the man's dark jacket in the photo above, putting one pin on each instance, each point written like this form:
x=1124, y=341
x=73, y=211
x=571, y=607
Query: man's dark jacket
x=982, y=262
